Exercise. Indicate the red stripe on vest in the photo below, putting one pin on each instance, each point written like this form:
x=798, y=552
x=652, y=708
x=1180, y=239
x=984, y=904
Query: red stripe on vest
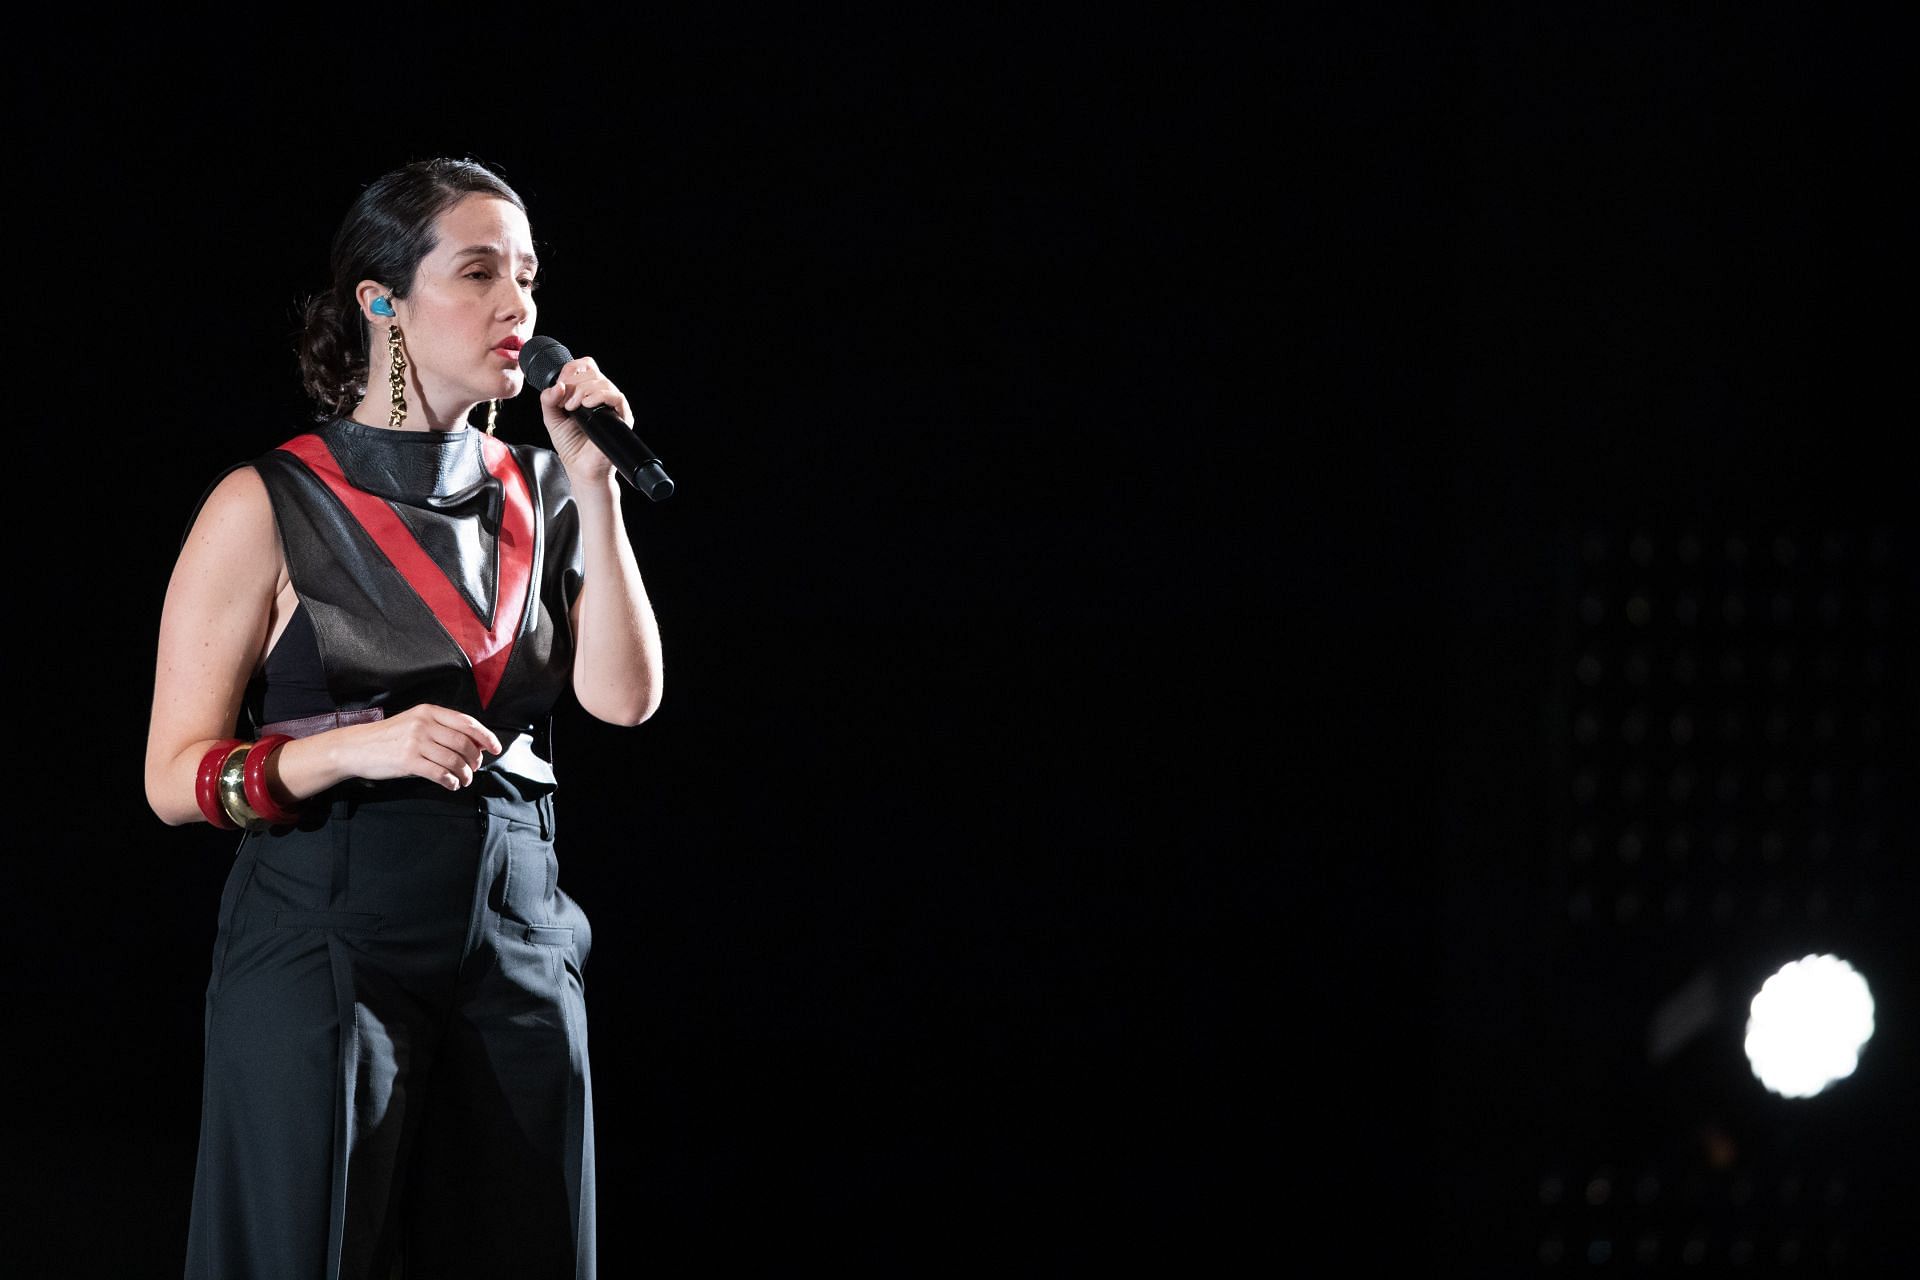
x=488, y=648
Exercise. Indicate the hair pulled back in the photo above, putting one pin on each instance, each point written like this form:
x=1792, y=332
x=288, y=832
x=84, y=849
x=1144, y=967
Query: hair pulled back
x=383, y=237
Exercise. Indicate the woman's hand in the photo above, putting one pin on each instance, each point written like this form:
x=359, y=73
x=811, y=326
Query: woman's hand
x=581, y=385
x=424, y=741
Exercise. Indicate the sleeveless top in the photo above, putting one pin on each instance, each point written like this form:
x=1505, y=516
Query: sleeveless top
x=430, y=567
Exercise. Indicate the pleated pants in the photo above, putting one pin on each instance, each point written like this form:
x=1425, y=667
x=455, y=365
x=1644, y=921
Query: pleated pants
x=396, y=1079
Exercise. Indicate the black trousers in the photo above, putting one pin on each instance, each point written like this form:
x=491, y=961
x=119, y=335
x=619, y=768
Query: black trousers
x=396, y=1078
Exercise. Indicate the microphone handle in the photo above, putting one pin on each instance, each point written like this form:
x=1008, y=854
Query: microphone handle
x=628, y=453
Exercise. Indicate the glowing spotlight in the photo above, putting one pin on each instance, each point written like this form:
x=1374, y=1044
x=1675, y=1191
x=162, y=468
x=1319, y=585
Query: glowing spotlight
x=1808, y=1025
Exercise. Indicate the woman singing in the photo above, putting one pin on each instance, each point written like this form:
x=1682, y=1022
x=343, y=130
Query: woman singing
x=362, y=643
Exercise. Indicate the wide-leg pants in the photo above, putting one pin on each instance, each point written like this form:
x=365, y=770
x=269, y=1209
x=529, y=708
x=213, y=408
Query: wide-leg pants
x=396, y=1078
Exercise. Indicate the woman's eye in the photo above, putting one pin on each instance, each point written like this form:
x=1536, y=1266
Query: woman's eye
x=530, y=285
x=476, y=275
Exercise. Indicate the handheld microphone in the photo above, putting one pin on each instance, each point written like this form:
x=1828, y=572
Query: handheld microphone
x=542, y=358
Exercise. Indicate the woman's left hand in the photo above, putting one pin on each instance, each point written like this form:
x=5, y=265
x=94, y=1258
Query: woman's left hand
x=581, y=385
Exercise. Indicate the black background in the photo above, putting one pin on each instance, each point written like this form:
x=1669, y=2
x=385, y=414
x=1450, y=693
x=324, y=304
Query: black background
x=1123, y=465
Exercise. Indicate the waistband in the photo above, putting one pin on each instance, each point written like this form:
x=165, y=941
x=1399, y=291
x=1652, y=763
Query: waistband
x=491, y=795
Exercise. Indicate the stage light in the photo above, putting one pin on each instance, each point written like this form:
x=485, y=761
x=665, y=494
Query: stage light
x=1807, y=1026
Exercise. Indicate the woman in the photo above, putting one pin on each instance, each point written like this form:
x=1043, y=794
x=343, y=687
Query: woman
x=396, y=1059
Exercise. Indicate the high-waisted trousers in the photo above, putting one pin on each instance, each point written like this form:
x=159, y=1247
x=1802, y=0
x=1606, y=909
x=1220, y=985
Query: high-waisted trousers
x=396, y=1079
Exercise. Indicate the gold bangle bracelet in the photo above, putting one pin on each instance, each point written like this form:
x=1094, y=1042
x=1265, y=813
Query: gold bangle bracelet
x=233, y=790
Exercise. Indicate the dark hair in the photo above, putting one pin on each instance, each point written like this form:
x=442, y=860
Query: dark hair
x=383, y=237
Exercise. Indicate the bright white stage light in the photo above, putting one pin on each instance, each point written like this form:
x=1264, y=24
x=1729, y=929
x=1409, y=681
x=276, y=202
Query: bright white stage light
x=1808, y=1025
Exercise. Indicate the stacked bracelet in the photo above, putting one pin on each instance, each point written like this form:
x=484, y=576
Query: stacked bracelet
x=206, y=788
x=231, y=785
x=254, y=782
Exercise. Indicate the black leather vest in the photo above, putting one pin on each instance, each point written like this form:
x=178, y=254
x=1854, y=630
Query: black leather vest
x=434, y=567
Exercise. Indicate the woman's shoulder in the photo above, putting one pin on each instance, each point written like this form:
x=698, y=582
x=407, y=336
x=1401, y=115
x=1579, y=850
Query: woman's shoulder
x=234, y=509
x=236, y=490
x=246, y=480
x=241, y=490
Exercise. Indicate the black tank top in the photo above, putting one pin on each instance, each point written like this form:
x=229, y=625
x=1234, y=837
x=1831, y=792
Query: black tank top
x=293, y=684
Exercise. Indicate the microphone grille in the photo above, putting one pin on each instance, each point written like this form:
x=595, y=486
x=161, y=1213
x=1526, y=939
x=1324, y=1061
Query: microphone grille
x=541, y=359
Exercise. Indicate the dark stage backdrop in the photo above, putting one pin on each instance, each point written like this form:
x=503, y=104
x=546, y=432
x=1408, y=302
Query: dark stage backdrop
x=1143, y=483
x=1683, y=703
x=923, y=911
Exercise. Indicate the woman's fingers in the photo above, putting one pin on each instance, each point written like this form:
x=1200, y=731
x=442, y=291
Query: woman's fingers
x=448, y=746
x=483, y=738
x=445, y=765
x=582, y=385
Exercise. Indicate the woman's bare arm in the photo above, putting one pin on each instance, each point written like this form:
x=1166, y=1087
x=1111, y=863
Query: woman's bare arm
x=617, y=671
x=213, y=629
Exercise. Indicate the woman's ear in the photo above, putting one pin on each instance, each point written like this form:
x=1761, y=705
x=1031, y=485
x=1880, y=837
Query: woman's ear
x=376, y=303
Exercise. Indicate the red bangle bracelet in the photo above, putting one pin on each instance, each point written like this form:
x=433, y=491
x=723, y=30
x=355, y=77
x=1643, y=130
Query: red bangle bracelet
x=206, y=785
x=258, y=797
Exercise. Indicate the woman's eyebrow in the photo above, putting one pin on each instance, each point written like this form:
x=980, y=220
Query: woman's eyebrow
x=494, y=250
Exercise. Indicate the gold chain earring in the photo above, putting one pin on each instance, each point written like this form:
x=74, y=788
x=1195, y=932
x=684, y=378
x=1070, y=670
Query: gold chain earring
x=396, y=370
x=493, y=414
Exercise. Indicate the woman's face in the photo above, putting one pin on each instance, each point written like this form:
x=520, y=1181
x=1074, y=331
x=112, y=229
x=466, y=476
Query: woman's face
x=470, y=295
